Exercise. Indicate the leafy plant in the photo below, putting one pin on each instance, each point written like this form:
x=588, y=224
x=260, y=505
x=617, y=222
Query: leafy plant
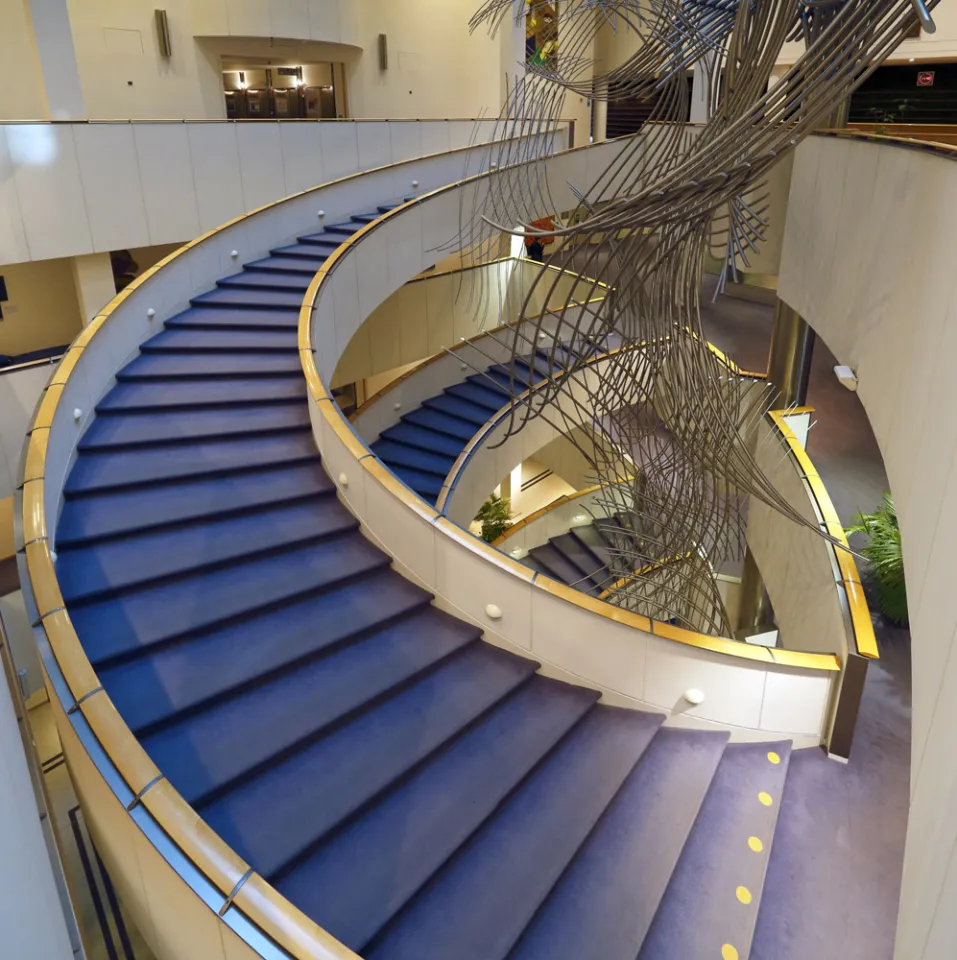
x=494, y=516
x=883, y=551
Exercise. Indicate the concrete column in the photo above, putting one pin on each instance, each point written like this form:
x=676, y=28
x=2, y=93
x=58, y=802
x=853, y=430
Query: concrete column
x=95, y=287
x=512, y=37
x=600, y=113
x=789, y=363
x=53, y=37
x=789, y=368
x=701, y=89
x=31, y=915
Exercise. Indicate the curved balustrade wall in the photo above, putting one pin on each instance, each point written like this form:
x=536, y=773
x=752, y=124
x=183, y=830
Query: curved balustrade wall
x=635, y=662
x=75, y=188
x=868, y=261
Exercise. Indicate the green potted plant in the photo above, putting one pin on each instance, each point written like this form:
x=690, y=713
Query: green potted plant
x=494, y=516
x=883, y=551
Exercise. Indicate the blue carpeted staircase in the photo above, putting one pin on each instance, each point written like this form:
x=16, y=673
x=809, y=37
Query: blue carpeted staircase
x=418, y=792
x=422, y=448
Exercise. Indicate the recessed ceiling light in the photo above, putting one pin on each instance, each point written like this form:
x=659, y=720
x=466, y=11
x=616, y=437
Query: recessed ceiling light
x=912, y=59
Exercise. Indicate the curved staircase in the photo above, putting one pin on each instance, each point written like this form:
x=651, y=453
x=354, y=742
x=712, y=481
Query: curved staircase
x=416, y=791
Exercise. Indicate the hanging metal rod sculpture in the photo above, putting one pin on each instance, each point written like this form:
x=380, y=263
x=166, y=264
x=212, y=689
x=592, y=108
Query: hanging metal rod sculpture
x=665, y=428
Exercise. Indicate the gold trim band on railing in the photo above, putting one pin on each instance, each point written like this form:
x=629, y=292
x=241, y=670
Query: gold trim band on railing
x=212, y=857
x=337, y=423
x=644, y=571
x=865, y=641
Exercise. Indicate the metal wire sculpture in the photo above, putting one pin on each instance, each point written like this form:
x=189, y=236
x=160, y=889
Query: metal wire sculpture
x=666, y=428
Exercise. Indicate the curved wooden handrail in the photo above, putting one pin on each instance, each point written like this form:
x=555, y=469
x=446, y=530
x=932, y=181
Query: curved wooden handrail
x=365, y=460
x=211, y=856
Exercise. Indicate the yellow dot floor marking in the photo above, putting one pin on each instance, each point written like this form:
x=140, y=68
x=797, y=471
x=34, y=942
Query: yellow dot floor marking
x=728, y=952
x=765, y=798
x=743, y=894
x=755, y=844
x=774, y=758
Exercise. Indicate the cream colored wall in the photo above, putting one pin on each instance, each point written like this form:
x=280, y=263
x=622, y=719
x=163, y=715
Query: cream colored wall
x=868, y=260
x=436, y=69
x=22, y=95
x=43, y=310
x=115, y=42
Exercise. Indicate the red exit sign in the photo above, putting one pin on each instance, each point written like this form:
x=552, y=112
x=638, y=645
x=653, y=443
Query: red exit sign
x=925, y=78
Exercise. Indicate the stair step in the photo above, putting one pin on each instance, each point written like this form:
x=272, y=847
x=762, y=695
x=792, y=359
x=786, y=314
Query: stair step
x=364, y=875
x=94, y=472
x=591, y=539
x=414, y=458
x=413, y=436
x=455, y=407
x=430, y=419
x=156, y=395
x=426, y=485
x=250, y=299
x=178, y=339
x=334, y=231
x=114, y=430
x=489, y=400
x=134, y=623
x=120, y=513
x=226, y=744
x=199, y=366
x=207, y=318
x=492, y=386
x=562, y=569
x=477, y=908
x=718, y=861
x=178, y=678
x=606, y=901
x=581, y=557
x=290, y=265
x=261, y=280
x=94, y=573
x=313, y=253
x=500, y=374
x=329, y=781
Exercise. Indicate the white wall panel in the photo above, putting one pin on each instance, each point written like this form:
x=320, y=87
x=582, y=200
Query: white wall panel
x=289, y=19
x=260, y=163
x=13, y=238
x=375, y=145
x=112, y=190
x=325, y=21
x=209, y=18
x=340, y=151
x=301, y=156
x=406, y=140
x=436, y=137
x=47, y=178
x=219, y=189
x=248, y=18
x=166, y=174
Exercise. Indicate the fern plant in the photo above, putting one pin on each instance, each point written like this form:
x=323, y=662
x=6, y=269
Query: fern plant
x=883, y=551
x=494, y=516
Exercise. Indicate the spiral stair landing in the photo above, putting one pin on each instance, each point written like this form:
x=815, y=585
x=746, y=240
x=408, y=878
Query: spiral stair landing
x=416, y=791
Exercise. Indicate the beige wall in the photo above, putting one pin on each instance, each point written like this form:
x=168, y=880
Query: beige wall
x=43, y=310
x=22, y=94
x=868, y=260
x=436, y=69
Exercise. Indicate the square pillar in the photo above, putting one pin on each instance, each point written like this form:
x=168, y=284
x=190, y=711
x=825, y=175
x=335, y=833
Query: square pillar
x=95, y=288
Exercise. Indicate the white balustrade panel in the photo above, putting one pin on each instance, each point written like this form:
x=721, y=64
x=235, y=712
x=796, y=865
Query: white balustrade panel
x=68, y=189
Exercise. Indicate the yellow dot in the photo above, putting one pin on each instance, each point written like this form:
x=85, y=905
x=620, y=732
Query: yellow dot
x=755, y=844
x=774, y=758
x=728, y=952
x=765, y=798
x=743, y=894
